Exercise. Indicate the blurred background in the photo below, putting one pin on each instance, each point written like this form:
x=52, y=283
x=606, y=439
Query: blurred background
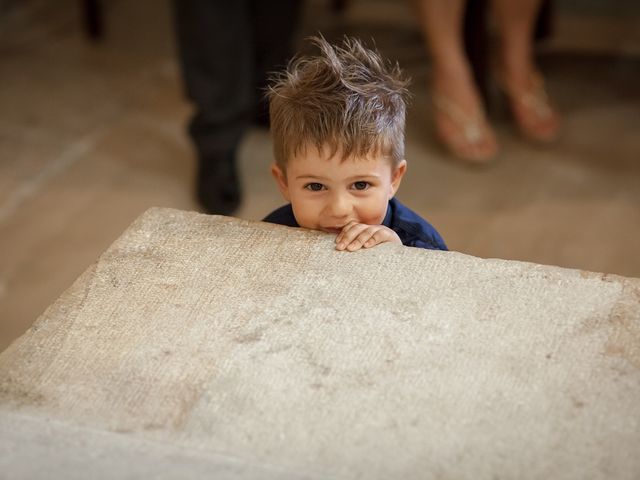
x=92, y=133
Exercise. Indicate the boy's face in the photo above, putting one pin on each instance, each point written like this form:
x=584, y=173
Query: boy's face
x=327, y=193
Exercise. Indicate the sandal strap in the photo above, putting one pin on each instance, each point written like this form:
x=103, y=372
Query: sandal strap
x=470, y=125
x=536, y=98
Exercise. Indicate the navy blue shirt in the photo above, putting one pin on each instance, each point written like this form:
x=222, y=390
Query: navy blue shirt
x=412, y=229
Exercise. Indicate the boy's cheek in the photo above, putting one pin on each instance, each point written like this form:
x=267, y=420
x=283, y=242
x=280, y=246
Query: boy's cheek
x=374, y=217
x=302, y=215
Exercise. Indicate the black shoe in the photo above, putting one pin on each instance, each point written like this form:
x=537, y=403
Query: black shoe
x=217, y=184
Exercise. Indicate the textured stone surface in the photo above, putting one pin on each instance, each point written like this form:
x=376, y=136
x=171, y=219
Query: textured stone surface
x=200, y=344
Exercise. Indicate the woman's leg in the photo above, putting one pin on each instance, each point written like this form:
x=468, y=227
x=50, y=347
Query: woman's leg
x=518, y=73
x=459, y=115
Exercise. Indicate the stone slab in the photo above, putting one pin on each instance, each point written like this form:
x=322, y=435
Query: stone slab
x=203, y=345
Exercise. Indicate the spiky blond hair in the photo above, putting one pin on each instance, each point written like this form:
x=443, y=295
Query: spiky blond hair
x=347, y=99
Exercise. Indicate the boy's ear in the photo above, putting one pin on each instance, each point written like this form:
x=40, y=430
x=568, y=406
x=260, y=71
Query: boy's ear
x=396, y=177
x=281, y=180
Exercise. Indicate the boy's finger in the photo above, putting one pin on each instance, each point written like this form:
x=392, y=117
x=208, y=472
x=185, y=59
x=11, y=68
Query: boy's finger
x=345, y=229
x=378, y=236
x=350, y=231
x=348, y=234
x=363, y=237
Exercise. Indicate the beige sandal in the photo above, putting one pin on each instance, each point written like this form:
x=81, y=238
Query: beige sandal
x=537, y=120
x=472, y=139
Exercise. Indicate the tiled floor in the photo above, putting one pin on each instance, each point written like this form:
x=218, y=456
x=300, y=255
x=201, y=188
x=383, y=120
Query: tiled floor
x=92, y=135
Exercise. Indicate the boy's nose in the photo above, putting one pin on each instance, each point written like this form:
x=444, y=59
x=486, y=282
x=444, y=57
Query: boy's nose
x=339, y=206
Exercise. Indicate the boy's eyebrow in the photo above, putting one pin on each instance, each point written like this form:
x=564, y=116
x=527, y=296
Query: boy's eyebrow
x=366, y=175
x=313, y=177
x=353, y=177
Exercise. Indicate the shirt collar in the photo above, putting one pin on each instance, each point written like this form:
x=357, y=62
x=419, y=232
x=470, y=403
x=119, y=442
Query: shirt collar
x=387, y=218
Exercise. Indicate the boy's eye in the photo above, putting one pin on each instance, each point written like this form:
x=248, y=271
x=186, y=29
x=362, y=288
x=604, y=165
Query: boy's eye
x=314, y=187
x=361, y=185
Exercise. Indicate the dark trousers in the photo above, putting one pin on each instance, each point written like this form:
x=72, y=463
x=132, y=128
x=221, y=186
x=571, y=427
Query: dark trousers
x=227, y=49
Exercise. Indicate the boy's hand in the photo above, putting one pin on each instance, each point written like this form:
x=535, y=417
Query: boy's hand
x=355, y=236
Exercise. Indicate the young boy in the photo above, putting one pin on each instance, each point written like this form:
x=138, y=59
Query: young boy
x=337, y=122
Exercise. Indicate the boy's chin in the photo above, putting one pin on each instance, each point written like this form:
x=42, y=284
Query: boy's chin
x=335, y=231
x=319, y=228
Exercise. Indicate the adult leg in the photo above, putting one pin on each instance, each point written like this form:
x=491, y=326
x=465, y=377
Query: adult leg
x=273, y=26
x=214, y=46
x=459, y=115
x=518, y=73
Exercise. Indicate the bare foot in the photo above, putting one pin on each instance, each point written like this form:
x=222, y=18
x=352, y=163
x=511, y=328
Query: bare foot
x=532, y=110
x=460, y=121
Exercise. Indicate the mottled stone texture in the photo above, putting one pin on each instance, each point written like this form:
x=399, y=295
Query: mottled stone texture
x=199, y=345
